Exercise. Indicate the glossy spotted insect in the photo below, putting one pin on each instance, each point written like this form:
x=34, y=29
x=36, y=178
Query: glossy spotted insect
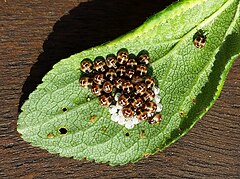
x=123, y=100
x=122, y=56
x=86, y=66
x=150, y=82
x=98, y=78
x=85, y=82
x=127, y=111
x=148, y=95
x=96, y=89
x=144, y=59
x=121, y=71
x=99, y=64
x=140, y=88
x=111, y=74
x=136, y=79
x=141, y=70
x=118, y=82
x=150, y=107
x=106, y=99
x=137, y=102
x=132, y=63
x=111, y=61
x=127, y=86
x=129, y=73
x=141, y=114
x=199, y=39
x=156, y=119
x=107, y=87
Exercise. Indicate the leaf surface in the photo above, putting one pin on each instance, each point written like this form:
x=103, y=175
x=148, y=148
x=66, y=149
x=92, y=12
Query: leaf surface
x=190, y=80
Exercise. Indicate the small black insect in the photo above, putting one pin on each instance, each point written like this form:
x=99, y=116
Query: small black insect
x=199, y=39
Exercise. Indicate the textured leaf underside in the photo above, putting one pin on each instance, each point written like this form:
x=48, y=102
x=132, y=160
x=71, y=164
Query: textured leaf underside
x=190, y=80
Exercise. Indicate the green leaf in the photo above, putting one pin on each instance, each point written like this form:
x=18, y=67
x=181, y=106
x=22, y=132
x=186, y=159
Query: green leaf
x=190, y=80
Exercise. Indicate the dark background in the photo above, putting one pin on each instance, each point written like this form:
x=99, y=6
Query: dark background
x=36, y=34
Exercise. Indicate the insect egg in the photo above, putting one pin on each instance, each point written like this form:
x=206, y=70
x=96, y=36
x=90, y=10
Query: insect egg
x=140, y=88
x=85, y=82
x=123, y=100
x=111, y=61
x=129, y=73
x=118, y=82
x=150, y=82
x=99, y=64
x=121, y=71
x=122, y=56
x=86, y=66
x=98, y=78
x=141, y=70
x=107, y=87
x=156, y=119
x=111, y=74
x=96, y=89
x=127, y=111
x=106, y=99
x=127, y=86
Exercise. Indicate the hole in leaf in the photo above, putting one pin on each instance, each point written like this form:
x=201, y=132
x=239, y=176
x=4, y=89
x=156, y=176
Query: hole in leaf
x=63, y=130
x=127, y=134
x=181, y=114
x=64, y=109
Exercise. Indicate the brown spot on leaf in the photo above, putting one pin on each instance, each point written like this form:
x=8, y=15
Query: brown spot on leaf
x=50, y=136
x=194, y=101
x=93, y=118
x=142, y=134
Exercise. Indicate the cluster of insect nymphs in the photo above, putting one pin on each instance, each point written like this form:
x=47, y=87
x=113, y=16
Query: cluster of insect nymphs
x=122, y=83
